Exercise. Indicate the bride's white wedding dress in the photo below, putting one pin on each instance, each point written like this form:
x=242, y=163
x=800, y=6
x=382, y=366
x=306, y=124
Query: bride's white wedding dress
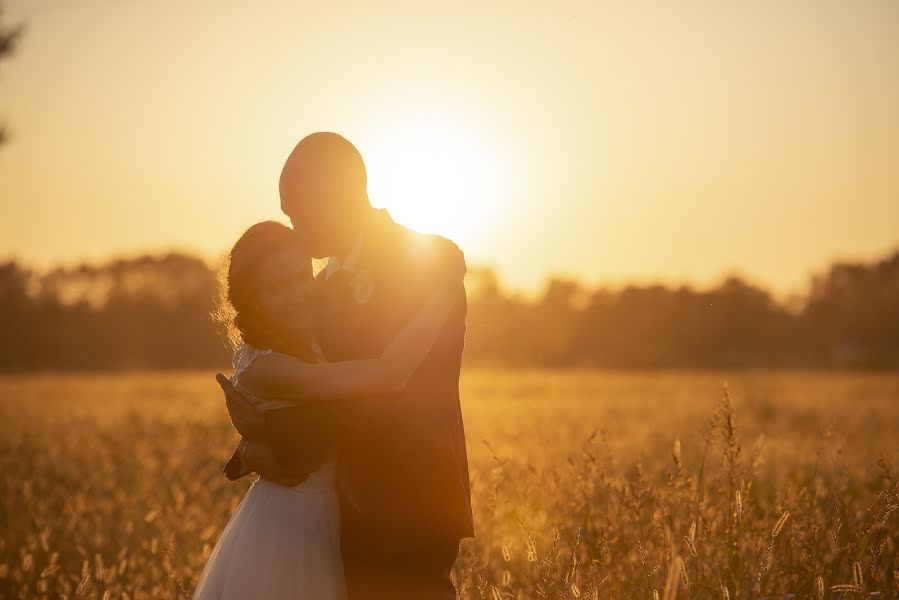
x=281, y=543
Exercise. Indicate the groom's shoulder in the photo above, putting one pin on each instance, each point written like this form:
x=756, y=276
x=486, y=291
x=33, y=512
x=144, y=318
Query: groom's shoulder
x=407, y=244
x=429, y=250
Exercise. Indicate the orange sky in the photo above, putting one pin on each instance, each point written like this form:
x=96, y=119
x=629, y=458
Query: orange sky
x=615, y=141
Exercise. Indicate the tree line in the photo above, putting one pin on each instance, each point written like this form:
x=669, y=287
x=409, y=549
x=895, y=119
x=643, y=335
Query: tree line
x=153, y=312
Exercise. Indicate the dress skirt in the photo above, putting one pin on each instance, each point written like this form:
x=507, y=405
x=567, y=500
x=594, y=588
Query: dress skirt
x=281, y=543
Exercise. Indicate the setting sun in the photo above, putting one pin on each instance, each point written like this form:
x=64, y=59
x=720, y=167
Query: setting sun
x=435, y=176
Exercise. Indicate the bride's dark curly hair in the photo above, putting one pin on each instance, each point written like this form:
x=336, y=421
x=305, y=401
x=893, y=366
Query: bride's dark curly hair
x=237, y=309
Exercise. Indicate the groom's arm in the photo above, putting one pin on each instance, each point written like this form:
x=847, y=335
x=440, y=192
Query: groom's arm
x=405, y=276
x=254, y=454
x=441, y=266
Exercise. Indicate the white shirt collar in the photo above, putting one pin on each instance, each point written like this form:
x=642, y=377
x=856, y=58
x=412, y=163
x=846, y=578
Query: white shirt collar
x=347, y=264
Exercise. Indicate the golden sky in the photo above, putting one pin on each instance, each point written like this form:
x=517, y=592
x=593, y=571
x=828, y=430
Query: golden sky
x=614, y=141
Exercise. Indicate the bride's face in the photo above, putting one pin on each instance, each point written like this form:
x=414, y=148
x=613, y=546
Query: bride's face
x=283, y=291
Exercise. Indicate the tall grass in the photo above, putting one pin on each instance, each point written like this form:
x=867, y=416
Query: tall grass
x=719, y=530
x=584, y=486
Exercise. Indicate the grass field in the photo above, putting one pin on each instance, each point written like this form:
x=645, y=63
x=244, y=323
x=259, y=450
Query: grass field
x=585, y=484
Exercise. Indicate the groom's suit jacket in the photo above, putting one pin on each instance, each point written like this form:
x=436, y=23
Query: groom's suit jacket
x=402, y=466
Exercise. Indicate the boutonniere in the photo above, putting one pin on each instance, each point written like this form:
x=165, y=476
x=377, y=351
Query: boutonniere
x=363, y=286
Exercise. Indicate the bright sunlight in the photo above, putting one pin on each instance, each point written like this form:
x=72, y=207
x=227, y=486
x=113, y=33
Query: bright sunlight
x=435, y=176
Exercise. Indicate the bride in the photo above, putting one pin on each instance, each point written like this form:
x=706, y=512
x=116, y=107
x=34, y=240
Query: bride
x=284, y=541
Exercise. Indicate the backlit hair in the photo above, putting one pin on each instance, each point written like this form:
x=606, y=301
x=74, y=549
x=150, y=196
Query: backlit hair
x=237, y=308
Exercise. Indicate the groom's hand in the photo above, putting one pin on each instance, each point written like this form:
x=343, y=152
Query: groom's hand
x=244, y=416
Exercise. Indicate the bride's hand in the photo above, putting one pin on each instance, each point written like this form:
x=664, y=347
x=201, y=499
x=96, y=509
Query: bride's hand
x=244, y=417
x=260, y=458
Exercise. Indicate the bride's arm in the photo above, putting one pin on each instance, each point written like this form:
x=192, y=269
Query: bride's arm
x=286, y=378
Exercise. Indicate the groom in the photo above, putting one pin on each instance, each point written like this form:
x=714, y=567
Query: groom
x=402, y=466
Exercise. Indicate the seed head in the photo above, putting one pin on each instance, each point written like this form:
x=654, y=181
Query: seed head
x=780, y=524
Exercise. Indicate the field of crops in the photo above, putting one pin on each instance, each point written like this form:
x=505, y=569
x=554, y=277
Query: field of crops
x=585, y=484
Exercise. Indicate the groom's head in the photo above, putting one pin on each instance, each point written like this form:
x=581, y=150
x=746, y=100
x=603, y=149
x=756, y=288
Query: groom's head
x=323, y=191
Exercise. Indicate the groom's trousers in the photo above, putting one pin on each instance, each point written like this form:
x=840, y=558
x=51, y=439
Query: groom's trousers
x=418, y=578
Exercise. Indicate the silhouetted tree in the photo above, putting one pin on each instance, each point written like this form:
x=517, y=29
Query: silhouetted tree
x=8, y=38
x=852, y=317
x=147, y=312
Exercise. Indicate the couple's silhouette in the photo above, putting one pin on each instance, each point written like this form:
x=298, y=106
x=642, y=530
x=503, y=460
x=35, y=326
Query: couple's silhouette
x=345, y=391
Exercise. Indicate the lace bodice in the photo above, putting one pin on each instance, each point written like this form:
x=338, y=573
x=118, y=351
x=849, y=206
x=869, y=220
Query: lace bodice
x=243, y=358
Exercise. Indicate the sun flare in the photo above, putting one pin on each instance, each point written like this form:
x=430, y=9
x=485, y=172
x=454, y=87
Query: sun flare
x=434, y=177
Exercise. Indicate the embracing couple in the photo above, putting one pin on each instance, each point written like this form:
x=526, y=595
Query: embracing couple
x=345, y=392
